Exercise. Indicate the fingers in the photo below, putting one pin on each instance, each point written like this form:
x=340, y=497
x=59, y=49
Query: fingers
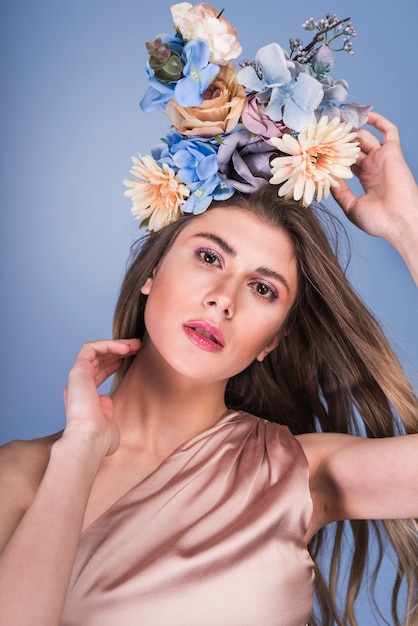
x=98, y=374
x=367, y=141
x=105, y=367
x=108, y=350
x=383, y=125
x=99, y=350
x=90, y=415
x=344, y=196
x=96, y=361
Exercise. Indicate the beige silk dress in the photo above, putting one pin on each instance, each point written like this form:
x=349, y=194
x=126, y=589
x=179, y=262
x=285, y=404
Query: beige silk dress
x=214, y=536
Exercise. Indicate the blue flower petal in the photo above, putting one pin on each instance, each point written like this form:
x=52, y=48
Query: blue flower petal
x=295, y=117
x=307, y=93
x=183, y=159
x=189, y=177
x=197, y=203
x=264, y=96
x=338, y=91
x=248, y=77
x=158, y=150
x=208, y=75
x=158, y=94
x=208, y=167
x=274, y=109
x=330, y=110
x=201, y=204
x=195, y=53
x=204, y=147
x=223, y=192
x=187, y=93
x=273, y=63
x=354, y=113
x=198, y=74
x=188, y=206
x=154, y=100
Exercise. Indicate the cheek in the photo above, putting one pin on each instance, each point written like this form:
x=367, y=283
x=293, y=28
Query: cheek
x=155, y=304
x=157, y=287
x=270, y=335
x=163, y=300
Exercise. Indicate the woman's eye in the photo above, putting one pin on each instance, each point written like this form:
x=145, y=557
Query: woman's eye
x=208, y=257
x=265, y=291
x=262, y=289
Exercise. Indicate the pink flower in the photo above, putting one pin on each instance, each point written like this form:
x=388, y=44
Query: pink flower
x=202, y=21
x=257, y=122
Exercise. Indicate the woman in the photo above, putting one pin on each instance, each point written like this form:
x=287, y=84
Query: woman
x=191, y=510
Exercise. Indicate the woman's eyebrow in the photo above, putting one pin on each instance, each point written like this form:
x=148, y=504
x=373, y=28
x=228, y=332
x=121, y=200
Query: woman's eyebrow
x=224, y=245
x=269, y=273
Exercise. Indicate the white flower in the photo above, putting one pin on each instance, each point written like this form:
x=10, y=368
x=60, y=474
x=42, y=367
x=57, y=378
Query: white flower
x=202, y=21
x=318, y=157
x=157, y=195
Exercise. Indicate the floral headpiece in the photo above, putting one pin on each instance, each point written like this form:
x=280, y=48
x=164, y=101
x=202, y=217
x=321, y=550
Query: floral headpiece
x=282, y=117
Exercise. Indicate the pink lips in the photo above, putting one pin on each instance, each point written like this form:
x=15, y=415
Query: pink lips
x=204, y=335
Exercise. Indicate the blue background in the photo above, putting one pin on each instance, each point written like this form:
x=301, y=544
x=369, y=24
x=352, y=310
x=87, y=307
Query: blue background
x=72, y=74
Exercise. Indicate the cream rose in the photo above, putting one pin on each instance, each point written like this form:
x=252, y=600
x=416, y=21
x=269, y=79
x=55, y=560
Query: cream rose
x=202, y=21
x=220, y=111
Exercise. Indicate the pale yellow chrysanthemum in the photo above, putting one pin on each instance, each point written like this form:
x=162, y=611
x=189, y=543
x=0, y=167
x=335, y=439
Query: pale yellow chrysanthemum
x=157, y=195
x=319, y=156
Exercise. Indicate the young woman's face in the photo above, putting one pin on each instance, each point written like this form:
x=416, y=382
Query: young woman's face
x=219, y=297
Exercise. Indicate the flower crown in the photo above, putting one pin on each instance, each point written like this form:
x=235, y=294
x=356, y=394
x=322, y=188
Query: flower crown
x=282, y=117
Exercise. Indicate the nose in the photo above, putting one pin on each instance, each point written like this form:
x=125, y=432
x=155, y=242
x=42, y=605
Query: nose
x=222, y=296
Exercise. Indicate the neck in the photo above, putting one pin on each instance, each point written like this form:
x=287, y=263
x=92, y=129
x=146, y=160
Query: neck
x=158, y=409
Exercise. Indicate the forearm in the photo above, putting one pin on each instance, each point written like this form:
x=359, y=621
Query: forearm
x=36, y=564
x=406, y=242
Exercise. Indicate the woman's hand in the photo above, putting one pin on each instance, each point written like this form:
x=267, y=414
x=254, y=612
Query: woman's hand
x=39, y=544
x=388, y=207
x=390, y=191
x=88, y=413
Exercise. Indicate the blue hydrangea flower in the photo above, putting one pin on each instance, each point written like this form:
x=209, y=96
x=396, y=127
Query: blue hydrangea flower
x=334, y=105
x=292, y=94
x=198, y=74
x=195, y=161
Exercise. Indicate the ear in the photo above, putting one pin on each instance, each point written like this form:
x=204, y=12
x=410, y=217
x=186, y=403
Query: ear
x=268, y=348
x=146, y=287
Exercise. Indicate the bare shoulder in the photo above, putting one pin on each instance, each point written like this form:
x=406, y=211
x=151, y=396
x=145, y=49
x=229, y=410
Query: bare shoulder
x=22, y=466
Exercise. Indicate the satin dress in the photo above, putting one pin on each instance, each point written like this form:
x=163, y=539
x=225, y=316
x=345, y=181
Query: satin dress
x=215, y=536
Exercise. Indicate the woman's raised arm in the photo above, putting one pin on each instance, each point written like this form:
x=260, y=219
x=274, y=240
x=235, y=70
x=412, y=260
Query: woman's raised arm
x=362, y=478
x=389, y=206
x=39, y=546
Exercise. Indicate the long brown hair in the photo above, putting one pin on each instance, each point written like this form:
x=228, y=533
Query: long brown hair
x=333, y=371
